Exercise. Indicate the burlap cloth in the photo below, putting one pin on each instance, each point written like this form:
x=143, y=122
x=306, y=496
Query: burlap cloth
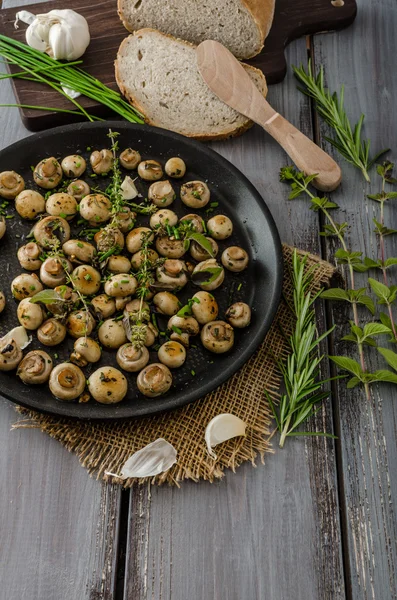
x=105, y=447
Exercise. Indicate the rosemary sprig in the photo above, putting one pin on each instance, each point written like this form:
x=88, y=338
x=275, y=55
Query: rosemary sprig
x=348, y=140
x=301, y=375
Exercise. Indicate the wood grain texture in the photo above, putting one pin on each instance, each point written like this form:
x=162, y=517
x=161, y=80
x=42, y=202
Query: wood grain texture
x=368, y=432
x=265, y=533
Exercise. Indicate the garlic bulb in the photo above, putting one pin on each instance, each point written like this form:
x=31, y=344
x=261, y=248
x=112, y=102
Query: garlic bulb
x=63, y=34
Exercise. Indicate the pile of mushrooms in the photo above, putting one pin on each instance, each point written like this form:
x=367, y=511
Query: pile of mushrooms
x=90, y=298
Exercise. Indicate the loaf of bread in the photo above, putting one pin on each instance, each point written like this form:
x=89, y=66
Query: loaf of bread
x=158, y=75
x=240, y=25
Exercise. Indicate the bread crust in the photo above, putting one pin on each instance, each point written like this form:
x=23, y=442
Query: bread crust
x=204, y=137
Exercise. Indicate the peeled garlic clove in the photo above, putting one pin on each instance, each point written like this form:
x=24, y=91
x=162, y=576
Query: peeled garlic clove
x=222, y=428
x=128, y=188
x=153, y=459
x=69, y=92
x=19, y=335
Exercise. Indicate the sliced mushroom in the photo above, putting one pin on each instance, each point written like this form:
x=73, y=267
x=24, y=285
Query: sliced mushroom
x=239, y=314
x=154, y=380
x=95, y=208
x=53, y=271
x=235, y=259
x=214, y=281
x=79, y=252
x=78, y=189
x=137, y=237
x=140, y=257
x=112, y=334
x=61, y=205
x=48, y=173
x=101, y=161
x=3, y=227
x=50, y=231
x=29, y=204
x=52, y=332
x=30, y=315
x=205, y=307
x=130, y=159
x=104, y=306
x=73, y=165
x=25, y=285
x=118, y=264
x=150, y=170
x=67, y=381
x=220, y=227
x=10, y=355
x=195, y=221
x=172, y=354
x=86, y=280
x=107, y=385
x=217, y=336
x=2, y=301
x=29, y=256
x=109, y=238
x=86, y=350
x=120, y=285
x=195, y=194
x=132, y=359
x=170, y=247
x=126, y=219
x=161, y=193
x=175, y=167
x=166, y=303
x=11, y=184
x=80, y=324
x=172, y=273
x=35, y=368
x=162, y=218
x=198, y=253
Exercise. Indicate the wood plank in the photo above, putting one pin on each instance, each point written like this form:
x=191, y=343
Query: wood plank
x=271, y=532
x=59, y=528
x=361, y=58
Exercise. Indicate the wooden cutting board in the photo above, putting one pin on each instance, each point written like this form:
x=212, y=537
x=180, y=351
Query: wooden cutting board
x=293, y=18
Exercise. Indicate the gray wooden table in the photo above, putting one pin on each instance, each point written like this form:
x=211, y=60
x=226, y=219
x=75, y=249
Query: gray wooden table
x=318, y=521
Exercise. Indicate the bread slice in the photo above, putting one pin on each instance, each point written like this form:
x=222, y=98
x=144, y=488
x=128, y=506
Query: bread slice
x=158, y=75
x=240, y=25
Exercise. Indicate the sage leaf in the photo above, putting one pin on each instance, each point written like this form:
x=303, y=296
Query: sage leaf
x=47, y=297
x=206, y=275
x=348, y=364
x=201, y=241
x=390, y=356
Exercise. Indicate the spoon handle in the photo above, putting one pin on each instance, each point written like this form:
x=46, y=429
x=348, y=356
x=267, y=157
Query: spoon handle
x=307, y=156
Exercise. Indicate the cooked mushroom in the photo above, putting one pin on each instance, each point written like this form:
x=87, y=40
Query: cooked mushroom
x=67, y=381
x=137, y=237
x=195, y=221
x=78, y=189
x=118, y=264
x=79, y=252
x=220, y=227
x=80, y=323
x=172, y=354
x=132, y=359
x=25, y=285
x=109, y=238
x=10, y=355
x=239, y=314
x=3, y=227
x=126, y=219
x=172, y=274
x=181, y=338
x=180, y=325
x=50, y=230
x=101, y=161
x=107, y=385
x=104, y=306
x=195, y=194
x=217, y=336
x=175, y=167
x=121, y=303
x=95, y=208
x=61, y=205
x=2, y=301
x=35, y=368
x=150, y=170
x=111, y=334
x=73, y=165
x=161, y=193
x=154, y=380
x=134, y=306
x=53, y=271
x=204, y=307
x=162, y=218
x=48, y=173
x=86, y=280
x=11, y=184
x=151, y=334
x=235, y=259
x=209, y=280
x=130, y=159
x=170, y=247
x=29, y=256
x=166, y=303
x=86, y=350
x=29, y=204
x=140, y=257
x=68, y=299
x=120, y=285
x=30, y=315
x=52, y=332
x=198, y=253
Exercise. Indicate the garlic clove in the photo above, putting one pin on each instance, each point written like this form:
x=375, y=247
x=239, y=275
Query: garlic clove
x=128, y=188
x=69, y=92
x=19, y=335
x=222, y=428
x=153, y=459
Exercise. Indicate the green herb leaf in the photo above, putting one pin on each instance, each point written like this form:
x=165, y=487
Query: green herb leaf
x=390, y=356
x=335, y=294
x=202, y=241
x=47, y=297
x=206, y=276
x=348, y=364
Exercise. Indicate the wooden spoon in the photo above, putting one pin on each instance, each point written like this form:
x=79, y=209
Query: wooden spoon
x=227, y=78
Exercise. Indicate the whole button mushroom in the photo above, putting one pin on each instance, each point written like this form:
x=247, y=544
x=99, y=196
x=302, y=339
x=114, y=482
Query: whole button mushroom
x=61, y=205
x=172, y=274
x=195, y=194
x=29, y=204
x=120, y=285
x=10, y=355
x=195, y=221
x=48, y=173
x=235, y=259
x=2, y=302
x=86, y=280
x=25, y=285
x=112, y=334
x=140, y=257
x=86, y=350
x=107, y=385
x=104, y=306
x=118, y=264
x=35, y=368
x=166, y=303
x=136, y=238
x=30, y=315
x=175, y=167
x=150, y=170
x=217, y=336
x=67, y=382
x=80, y=324
x=198, y=253
x=126, y=219
x=95, y=208
x=11, y=184
x=239, y=314
x=172, y=354
x=132, y=359
x=204, y=275
x=73, y=165
x=220, y=227
x=68, y=299
x=134, y=306
x=154, y=380
x=78, y=189
x=29, y=256
x=170, y=247
x=53, y=271
x=109, y=238
x=79, y=252
x=162, y=218
x=150, y=335
x=161, y=193
x=101, y=161
x=52, y=332
x=204, y=307
x=51, y=230
x=130, y=159
x=3, y=227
